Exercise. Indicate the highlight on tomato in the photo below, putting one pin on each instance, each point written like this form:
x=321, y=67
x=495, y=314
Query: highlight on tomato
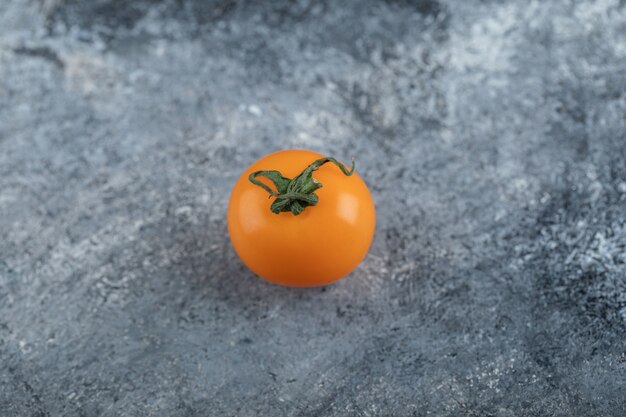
x=301, y=219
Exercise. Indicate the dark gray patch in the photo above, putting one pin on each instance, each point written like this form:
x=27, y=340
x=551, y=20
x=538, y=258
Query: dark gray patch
x=108, y=13
x=42, y=52
x=424, y=7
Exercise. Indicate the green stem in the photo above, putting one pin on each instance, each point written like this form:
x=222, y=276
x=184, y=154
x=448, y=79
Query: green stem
x=298, y=193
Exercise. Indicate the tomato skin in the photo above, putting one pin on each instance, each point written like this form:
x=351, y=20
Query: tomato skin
x=320, y=245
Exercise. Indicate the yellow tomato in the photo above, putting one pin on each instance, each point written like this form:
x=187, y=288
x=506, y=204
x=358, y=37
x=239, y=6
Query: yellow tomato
x=311, y=234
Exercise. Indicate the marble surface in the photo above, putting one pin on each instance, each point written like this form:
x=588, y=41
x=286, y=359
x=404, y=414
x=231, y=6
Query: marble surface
x=492, y=136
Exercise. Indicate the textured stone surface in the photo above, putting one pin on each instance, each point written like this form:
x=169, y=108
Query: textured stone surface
x=492, y=135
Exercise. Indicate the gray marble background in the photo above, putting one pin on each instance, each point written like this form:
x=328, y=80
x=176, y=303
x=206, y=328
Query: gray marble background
x=493, y=138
